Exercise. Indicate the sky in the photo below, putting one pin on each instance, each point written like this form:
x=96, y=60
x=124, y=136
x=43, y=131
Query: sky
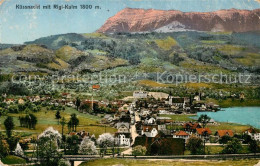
x=21, y=25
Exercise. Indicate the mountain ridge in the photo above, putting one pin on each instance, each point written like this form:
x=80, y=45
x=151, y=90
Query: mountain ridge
x=147, y=20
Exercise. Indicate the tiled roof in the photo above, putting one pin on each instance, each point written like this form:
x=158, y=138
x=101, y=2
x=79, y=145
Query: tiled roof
x=200, y=131
x=181, y=133
x=222, y=133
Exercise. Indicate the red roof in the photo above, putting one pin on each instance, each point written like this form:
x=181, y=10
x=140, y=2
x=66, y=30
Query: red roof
x=200, y=131
x=95, y=86
x=65, y=94
x=192, y=126
x=222, y=133
x=181, y=133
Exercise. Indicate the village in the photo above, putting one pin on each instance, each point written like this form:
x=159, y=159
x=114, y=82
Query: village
x=143, y=123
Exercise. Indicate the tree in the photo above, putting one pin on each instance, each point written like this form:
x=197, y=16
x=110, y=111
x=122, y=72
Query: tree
x=105, y=140
x=63, y=162
x=204, y=119
x=246, y=138
x=87, y=147
x=253, y=146
x=195, y=145
x=73, y=123
x=232, y=147
x=28, y=121
x=4, y=147
x=72, y=144
x=63, y=123
x=9, y=126
x=32, y=121
x=139, y=150
x=58, y=116
x=224, y=139
x=47, y=147
x=12, y=142
x=18, y=150
x=77, y=103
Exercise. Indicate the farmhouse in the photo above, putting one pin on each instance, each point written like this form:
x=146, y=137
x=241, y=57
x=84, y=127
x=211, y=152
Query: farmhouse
x=254, y=133
x=221, y=133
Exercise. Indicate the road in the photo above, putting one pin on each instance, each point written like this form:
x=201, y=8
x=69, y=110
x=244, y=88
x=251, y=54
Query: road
x=133, y=134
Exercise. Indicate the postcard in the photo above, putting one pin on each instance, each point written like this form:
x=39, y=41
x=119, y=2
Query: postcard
x=129, y=82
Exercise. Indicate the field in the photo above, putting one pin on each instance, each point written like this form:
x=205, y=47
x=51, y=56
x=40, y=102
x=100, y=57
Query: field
x=217, y=149
x=237, y=128
x=186, y=118
x=127, y=162
x=13, y=160
x=46, y=118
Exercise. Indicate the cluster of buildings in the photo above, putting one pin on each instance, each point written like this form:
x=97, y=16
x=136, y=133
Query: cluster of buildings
x=143, y=120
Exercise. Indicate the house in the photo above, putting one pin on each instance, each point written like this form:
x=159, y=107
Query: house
x=81, y=135
x=158, y=95
x=123, y=136
x=182, y=134
x=36, y=98
x=21, y=101
x=150, y=121
x=197, y=98
x=9, y=101
x=164, y=120
x=123, y=127
x=140, y=94
x=123, y=139
x=4, y=95
x=221, y=133
x=254, y=133
x=177, y=101
x=149, y=130
x=66, y=95
x=203, y=133
x=242, y=96
x=191, y=127
x=145, y=112
x=95, y=87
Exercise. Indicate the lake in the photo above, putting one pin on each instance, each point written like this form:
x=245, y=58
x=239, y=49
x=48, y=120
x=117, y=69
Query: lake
x=241, y=115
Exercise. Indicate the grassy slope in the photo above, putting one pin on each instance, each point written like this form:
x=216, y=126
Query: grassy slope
x=87, y=122
x=127, y=162
x=13, y=160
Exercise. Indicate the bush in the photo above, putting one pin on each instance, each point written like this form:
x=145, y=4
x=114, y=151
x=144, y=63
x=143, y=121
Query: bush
x=195, y=145
x=4, y=147
x=139, y=150
x=233, y=147
x=87, y=147
x=225, y=139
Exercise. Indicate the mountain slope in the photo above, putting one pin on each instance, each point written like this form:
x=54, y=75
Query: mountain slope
x=141, y=20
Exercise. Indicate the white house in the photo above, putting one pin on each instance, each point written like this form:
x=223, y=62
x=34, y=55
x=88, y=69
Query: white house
x=150, y=130
x=123, y=139
x=182, y=134
x=150, y=121
x=161, y=127
x=123, y=136
x=254, y=133
x=177, y=101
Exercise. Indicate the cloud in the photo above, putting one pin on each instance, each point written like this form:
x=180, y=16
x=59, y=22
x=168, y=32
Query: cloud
x=257, y=1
